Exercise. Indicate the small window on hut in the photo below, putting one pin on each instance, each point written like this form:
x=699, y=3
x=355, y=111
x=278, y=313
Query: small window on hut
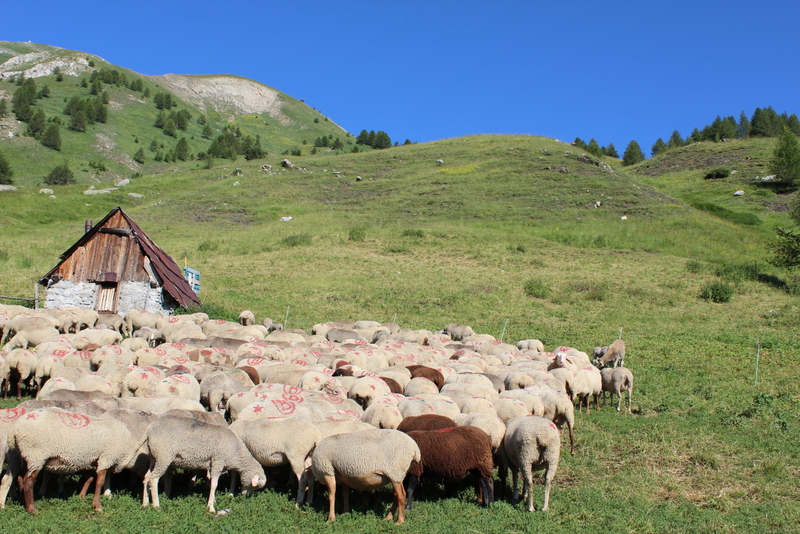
x=107, y=298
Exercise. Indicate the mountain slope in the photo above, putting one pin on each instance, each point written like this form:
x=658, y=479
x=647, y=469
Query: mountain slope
x=105, y=152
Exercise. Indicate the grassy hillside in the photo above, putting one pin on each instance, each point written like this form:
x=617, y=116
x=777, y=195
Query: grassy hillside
x=498, y=237
x=104, y=153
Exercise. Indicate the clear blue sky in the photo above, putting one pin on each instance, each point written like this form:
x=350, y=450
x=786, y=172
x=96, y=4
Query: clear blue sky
x=433, y=69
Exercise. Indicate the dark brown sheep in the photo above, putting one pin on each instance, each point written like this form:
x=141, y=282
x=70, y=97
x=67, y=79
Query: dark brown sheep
x=448, y=455
x=434, y=375
x=428, y=421
x=394, y=386
x=252, y=373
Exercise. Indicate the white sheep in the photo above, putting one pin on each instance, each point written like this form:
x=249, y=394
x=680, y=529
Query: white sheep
x=78, y=442
x=366, y=461
x=276, y=442
x=22, y=365
x=382, y=415
x=615, y=381
x=588, y=385
x=531, y=442
x=559, y=409
x=190, y=444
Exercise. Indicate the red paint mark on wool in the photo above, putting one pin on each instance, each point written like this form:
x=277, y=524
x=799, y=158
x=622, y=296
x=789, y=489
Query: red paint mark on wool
x=73, y=420
x=292, y=390
x=443, y=430
x=285, y=407
x=11, y=414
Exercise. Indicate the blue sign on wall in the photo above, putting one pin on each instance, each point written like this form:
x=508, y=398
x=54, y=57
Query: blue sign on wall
x=193, y=277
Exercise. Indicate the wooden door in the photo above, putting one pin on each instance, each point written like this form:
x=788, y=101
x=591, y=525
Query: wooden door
x=107, y=298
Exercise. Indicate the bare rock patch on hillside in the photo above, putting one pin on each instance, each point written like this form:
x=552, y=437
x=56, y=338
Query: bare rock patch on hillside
x=227, y=95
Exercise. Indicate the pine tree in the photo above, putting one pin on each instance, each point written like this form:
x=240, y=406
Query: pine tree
x=658, y=147
x=611, y=151
x=3, y=108
x=78, y=122
x=52, y=137
x=207, y=132
x=182, y=149
x=61, y=175
x=5, y=171
x=580, y=143
x=785, y=248
x=139, y=156
x=675, y=140
x=633, y=154
x=169, y=127
x=37, y=124
x=744, y=127
x=785, y=161
x=594, y=147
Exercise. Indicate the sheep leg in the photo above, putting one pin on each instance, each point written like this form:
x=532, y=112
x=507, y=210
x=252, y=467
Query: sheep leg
x=630, y=394
x=514, y=480
x=234, y=480
x=487, y=490
x=619, y=400
x=345, y=499
x=528, y=474
x=330, y=481
x=154, y=492
x=87, y=481
x=548, y=479
x=5, y=486
x=211, y=493
x=411, y=484
x=399, y=504
x=101, y=480
x=27, y=491
x=571, y=439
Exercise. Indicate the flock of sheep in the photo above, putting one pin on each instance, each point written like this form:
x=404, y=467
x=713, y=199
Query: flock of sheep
x=355, y=404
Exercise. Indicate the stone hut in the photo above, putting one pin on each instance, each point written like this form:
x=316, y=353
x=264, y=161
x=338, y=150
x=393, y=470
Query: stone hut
x=114, y=267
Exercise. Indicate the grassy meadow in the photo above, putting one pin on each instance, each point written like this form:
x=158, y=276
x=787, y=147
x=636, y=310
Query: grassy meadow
x=497, y=237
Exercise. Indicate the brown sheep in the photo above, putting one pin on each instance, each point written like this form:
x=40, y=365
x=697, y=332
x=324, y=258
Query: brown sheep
x=434, y=375
x=614, y=355
x=394, y=386
x=428, y=422
x=448, y=455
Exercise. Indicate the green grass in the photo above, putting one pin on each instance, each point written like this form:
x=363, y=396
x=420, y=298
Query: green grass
x=707, y=449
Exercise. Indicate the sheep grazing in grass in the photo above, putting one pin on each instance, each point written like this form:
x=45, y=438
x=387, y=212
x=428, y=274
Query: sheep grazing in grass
x=588, y=385
x=615, y=381
x=531, y=442
x=22, y=366
x=65, y=442
x=366, y=461
x=613, y=355
x=449, y=455
x=190, y=444
x=559, y=409
x=276, y=442
x=247, y=318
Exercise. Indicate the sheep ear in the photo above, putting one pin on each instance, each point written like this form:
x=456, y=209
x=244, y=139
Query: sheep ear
x=569, y=359
x=255, y=481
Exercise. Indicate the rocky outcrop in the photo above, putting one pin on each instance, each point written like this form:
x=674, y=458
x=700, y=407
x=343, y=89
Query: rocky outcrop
x=228, y=95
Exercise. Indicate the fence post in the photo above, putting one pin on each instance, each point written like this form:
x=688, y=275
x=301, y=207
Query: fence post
x=758, y=353
x=286, y=319
x=504, y=331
